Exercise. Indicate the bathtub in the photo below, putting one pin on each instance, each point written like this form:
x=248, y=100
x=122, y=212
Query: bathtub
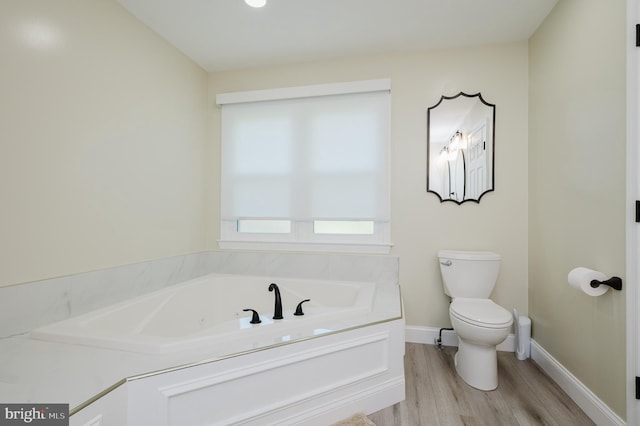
x=209, y=311
x=188, y=354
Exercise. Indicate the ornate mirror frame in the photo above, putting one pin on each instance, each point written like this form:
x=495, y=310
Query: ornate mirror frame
x=461, y=148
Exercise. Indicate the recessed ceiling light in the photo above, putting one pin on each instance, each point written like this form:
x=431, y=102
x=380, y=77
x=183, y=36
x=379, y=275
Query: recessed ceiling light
x=256, y=3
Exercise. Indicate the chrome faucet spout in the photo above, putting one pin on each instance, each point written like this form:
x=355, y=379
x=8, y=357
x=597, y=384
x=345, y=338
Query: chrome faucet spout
x=277, y=311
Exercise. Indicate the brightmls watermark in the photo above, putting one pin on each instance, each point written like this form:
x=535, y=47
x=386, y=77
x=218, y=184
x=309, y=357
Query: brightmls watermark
x=34, y=414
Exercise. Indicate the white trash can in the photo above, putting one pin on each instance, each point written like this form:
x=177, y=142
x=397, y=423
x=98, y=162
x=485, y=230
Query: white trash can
x=523, y=335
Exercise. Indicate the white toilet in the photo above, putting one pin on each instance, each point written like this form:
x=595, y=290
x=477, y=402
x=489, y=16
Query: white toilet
x=468, y=278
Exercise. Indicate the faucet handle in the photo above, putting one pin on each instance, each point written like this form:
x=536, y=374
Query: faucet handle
x=298, y=311
x=255, y=318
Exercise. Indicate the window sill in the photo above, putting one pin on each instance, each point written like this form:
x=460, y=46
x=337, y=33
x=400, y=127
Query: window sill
x=368, y=248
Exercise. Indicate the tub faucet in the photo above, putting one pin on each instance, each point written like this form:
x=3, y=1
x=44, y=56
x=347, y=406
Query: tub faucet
x=277, y=311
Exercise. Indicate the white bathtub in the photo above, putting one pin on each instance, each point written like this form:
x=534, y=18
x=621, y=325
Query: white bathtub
x=208, y=311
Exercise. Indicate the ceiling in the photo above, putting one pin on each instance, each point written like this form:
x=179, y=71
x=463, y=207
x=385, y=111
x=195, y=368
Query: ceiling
x=227, y=34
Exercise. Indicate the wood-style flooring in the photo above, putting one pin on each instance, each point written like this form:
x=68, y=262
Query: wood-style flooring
x=436, y=395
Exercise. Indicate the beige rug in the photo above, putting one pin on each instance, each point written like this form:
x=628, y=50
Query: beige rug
x=357, y=419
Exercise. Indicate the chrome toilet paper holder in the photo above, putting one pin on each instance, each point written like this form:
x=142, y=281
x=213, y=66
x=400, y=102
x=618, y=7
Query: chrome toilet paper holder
x=613, y=282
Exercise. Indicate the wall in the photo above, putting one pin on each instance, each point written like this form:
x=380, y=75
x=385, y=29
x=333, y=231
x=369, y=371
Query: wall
x=421, y=225
x=102, y=132
x=577, y=189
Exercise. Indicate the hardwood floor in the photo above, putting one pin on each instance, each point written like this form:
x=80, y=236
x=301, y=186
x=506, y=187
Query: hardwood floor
x=436, y=395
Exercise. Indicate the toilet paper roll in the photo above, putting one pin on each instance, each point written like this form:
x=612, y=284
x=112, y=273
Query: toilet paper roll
x=581, y=278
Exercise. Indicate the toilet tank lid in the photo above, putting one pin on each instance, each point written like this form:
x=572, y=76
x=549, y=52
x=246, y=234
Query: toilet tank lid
x=468, y=255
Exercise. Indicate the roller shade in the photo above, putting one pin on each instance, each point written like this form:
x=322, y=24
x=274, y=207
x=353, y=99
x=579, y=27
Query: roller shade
x=302, y=158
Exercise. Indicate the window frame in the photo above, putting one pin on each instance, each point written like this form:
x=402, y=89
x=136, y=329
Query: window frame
x=302, y=236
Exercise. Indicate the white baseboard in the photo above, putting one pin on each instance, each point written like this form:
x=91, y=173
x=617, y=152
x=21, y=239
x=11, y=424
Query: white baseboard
x=593, y=406
x=428, y=336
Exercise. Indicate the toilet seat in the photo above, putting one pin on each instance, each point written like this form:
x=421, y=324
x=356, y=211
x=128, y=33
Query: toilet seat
x=480, y=312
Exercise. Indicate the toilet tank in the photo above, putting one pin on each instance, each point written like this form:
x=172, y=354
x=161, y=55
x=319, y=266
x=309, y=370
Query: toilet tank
x=470, y=274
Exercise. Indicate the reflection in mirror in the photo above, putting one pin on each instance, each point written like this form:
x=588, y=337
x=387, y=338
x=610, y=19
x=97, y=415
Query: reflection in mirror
x=460, y=148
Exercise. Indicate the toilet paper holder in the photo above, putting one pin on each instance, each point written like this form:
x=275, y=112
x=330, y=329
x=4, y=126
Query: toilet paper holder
x=613, y=282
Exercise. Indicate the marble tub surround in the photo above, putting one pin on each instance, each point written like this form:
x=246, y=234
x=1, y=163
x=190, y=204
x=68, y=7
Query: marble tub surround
x=24, y=307
x=27, y=306
x=371, y=268
x=32, y=370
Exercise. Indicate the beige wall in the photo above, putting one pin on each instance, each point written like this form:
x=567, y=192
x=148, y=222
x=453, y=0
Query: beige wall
x=577, y=189
x=420, y=223
x=102, y=132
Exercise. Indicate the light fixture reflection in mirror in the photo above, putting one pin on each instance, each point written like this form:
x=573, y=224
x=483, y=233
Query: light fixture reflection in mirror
x=460, y=148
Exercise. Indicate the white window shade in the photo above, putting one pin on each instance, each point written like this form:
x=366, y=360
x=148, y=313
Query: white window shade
x=307, y=158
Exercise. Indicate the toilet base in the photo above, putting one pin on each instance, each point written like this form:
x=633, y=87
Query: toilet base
x=477, y=365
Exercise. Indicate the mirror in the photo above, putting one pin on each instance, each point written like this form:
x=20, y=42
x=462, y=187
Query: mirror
x=460, y=148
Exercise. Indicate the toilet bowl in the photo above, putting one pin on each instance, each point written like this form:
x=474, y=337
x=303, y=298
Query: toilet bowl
x=481, y=324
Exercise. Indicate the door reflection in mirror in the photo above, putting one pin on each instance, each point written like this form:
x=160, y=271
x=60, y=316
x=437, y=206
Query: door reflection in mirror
x=460, y=148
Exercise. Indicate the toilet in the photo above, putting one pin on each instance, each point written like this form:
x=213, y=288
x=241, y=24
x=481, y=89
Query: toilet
x=468, y=278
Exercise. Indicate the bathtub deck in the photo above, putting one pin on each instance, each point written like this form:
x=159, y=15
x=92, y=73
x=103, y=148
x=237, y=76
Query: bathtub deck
x=435, y=395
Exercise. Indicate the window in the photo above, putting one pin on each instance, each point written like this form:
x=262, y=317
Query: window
x=306, y=168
